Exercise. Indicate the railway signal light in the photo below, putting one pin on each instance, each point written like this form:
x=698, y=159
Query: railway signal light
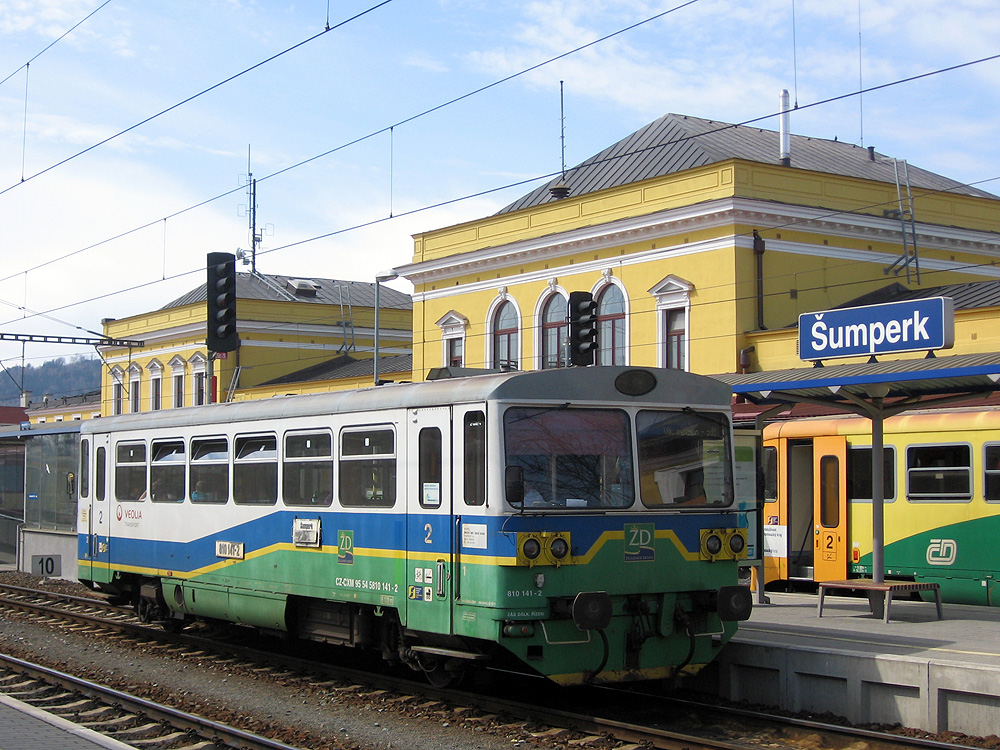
x=582, y=328
x=221, y=293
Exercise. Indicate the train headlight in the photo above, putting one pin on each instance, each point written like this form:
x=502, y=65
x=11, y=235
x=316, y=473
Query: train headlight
x=531, y=548
x=711, y=543
x=559, y=548
x=544, y=548
x=737, y=543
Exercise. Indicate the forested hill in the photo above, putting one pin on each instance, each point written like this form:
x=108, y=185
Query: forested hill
x=57, y=377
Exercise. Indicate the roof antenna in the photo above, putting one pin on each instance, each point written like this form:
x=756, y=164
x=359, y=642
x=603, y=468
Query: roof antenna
x=561, y=189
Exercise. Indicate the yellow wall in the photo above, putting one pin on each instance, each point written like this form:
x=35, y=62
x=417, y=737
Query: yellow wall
x=276, y=338
x=829, y=243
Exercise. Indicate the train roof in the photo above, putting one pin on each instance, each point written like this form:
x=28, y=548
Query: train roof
x=584, y=385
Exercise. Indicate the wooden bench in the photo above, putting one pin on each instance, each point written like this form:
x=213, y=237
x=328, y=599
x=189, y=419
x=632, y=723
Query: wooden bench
x=889, y=588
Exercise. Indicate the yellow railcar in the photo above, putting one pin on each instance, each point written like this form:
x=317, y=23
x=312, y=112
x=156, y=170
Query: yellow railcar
x=942, y=500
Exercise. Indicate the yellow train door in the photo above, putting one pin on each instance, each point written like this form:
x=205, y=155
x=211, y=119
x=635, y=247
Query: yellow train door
x=830, y=553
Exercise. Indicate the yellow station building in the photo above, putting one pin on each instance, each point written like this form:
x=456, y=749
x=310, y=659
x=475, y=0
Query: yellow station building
x=660, y=227
x=285, y=324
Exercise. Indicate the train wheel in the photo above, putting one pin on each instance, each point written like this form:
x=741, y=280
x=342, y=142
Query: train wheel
x=439, y=675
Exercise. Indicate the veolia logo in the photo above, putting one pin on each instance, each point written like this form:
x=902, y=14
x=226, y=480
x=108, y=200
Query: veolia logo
x=942, y=551
x=133, y=514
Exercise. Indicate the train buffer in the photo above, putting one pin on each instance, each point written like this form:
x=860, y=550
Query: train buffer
x=874, y=588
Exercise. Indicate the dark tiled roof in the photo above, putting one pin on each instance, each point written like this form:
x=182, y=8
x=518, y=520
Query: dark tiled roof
x=346, y=366
x=967, y=296
x=675, y=143
x=278, y=288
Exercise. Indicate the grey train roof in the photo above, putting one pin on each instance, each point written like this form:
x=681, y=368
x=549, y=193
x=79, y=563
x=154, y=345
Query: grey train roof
x=582, y=385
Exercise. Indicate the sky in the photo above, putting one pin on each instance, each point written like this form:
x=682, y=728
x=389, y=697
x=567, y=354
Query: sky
x=126, y=137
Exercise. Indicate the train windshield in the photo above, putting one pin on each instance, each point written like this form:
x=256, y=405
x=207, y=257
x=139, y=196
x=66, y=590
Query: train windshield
x=571, y=458
x=684, y=459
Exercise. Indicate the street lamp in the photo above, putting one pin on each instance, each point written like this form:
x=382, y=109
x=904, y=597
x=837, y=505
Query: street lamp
x=380, y=278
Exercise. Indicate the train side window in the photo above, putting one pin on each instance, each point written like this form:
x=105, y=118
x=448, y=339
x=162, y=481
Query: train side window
x=208, y=475
x=100, y=480
x=367, y=468
x=429, y=442
x=166, y=471
x=307, y=469
x=939, y=472
x=130, y=472
x=991, y=475
x=474, y=454
x=859, y=474
x=255, y=470
x=85, y=468
x=770, y=471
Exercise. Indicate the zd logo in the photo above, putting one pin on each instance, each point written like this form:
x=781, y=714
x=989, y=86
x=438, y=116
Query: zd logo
x=345, y=547
x=942, y=551
x=639, y=542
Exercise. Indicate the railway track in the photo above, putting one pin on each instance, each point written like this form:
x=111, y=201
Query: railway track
x=126, y=718
x=594, y=718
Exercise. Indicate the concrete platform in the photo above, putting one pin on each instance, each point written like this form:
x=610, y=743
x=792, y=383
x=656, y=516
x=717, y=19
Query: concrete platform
x=915, y=670
x=24, y=727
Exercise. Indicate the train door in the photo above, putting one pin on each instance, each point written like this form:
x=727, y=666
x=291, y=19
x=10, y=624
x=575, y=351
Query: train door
x=799, y=509
x=830, y=508
x=94, y=503
x=429, y=527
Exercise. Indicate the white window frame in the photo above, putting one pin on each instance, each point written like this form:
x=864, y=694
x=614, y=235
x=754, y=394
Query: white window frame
x=495, y=305
x=178, y=366
x=672, y=293
x=453, y=327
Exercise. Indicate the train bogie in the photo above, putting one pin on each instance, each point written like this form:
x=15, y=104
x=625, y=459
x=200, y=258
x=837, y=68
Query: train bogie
x=573, y=523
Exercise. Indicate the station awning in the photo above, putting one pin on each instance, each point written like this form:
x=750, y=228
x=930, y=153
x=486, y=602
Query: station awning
x=876, y=390
x=907, y=379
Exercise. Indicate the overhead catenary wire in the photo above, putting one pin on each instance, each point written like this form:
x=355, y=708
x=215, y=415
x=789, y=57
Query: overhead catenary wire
x=480, y=193
x=197, y=95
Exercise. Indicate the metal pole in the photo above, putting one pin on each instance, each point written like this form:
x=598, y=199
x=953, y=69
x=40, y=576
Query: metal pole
x=379, y=278
x=878, y=505
x=378, y=286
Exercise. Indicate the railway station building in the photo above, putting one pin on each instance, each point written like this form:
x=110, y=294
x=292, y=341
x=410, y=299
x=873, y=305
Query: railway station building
x=285, y=324
x=701, y=242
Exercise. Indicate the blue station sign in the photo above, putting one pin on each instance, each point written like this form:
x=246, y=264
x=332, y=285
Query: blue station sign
x=912, y=326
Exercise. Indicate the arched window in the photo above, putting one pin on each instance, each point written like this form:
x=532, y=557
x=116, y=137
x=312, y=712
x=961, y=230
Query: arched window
x=611, y=326
x=505, y=337
x=554, y=332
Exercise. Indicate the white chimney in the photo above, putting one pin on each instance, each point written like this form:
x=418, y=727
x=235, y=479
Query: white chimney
x=785, y=136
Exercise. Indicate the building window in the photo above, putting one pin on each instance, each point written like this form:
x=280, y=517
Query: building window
x=611, y=326
x=675, y=327
x=505, y=337
x=453, y=326
x=134, y=393
x=555, y=331
x=199, y=388
x=673, y=305
x=456, y=352
x=117, y=398
x=154, y=394
x=178, y=391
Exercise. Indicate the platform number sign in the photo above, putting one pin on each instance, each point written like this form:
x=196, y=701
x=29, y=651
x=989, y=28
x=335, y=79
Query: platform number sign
x=47, y=566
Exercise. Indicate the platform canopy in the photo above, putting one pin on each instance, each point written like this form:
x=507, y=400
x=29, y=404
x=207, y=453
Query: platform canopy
x=876, y=390
x=909, y=379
